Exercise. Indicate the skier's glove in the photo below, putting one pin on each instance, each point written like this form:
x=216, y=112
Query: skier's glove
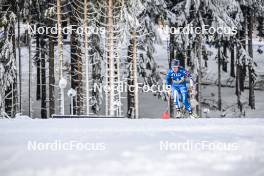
x=191, y=89
x=168, y=90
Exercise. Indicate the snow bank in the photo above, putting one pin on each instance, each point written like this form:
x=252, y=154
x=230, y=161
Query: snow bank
x=132, y=147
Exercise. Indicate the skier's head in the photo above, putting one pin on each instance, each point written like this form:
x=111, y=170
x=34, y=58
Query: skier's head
x=175, y=65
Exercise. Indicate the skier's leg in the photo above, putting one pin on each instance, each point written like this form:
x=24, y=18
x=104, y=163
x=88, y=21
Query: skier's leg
x=184, y=93
x=176, y=97
x=184, y=96
x=175, y=94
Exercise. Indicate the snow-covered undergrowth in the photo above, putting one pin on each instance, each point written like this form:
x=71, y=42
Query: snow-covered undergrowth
x=132, y=147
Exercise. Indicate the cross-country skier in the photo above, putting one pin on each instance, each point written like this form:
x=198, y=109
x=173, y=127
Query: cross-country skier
x=177, y=87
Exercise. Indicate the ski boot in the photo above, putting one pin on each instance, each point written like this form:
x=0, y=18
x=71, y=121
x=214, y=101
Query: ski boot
x=193, y=115
x=178, y=113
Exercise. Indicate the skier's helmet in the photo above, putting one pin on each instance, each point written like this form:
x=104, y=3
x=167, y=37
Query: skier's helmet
x=175, y=63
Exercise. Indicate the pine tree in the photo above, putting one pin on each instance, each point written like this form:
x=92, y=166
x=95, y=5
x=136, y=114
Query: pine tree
x=8, y=69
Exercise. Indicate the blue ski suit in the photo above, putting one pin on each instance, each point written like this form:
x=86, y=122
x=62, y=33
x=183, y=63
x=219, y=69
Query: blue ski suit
x=177, y=83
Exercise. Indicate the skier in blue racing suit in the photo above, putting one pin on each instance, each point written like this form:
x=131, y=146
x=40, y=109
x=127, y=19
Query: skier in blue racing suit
x=176, y=84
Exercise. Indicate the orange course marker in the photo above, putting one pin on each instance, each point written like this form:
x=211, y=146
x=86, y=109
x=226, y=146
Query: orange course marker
x=165, y=115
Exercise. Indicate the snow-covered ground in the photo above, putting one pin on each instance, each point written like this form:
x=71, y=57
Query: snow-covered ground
x=133, y=147
x=229, y=102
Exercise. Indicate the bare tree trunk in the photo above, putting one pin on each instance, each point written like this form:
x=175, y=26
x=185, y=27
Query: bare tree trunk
x=172, y=56
x=86, y=59
x=189, y=51
x=232, y=58
x=199, y=97
x=38, y=96
x=43, y=79
x=250, y=66
x=96, y=77
x=19, y=57
x=15, y=87
x=29, y=65
x=219, y=79
x=74, y=64
x=110, y=59
x=224, y=60
x=60, y=55
x=130, y=94
x=76, y=68
x=238, y=74
x=132, y=79
x=51, y=76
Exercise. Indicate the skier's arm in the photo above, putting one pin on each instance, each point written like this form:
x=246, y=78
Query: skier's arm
x=168, y=79
x=187, y=74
